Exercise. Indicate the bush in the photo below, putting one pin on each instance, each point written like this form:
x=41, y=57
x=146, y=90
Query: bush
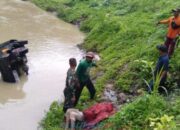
x=136, y=115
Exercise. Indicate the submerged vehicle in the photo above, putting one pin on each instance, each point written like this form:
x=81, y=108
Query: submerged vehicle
x=13, y=60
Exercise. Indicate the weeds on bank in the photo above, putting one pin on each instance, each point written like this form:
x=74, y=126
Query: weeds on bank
x=117, y=29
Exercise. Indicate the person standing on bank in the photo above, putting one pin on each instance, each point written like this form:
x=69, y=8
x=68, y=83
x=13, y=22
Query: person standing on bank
x=72, y=84
x=83, y=75
x=173, y=30
x=162, y=67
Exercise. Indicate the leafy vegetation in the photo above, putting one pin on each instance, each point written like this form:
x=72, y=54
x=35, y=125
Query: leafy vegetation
x=122, y=32
x=140, y=115
x=163, y=123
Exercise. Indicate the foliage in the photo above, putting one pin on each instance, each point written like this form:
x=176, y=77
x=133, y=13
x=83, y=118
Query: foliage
x=136, y=114
x=164, y=123
x=145, y=68
x=54, y=118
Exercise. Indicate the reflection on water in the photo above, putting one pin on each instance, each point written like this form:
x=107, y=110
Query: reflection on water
x=12, y=92
x=51, y=43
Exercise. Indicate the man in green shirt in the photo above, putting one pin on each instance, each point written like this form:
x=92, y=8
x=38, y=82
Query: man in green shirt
x=82, y=73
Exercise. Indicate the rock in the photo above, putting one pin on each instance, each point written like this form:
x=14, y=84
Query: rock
x=122, y=98
x=140, y=91
x=99, y=74
x=110, y=95
x=128, y=100
x=109, y=86
x=55, y=13
x=131, y=91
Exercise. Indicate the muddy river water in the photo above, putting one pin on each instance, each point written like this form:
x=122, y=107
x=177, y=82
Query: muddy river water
x=51, y=43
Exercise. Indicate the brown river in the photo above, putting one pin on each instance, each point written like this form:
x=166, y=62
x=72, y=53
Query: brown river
x=51, y=43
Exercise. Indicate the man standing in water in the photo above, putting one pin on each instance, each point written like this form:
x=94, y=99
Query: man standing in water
x=173, y=30
x=83, y=75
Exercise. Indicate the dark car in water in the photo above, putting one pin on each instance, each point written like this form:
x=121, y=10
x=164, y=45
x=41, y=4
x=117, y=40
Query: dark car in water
x=13, y=60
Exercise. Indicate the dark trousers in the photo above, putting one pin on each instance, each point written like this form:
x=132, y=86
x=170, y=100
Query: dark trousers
x=90, y=88
x=68, y=103
x=170, y=44
x=162, y=83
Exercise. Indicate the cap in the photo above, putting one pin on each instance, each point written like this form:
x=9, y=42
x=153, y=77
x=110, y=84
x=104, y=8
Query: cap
x=90, y=55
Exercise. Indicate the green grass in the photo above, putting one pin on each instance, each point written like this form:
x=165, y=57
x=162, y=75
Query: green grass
x=121, y=31
x=136, y=116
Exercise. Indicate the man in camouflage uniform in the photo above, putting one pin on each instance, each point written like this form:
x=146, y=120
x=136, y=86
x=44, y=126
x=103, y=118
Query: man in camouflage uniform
x=71, y=86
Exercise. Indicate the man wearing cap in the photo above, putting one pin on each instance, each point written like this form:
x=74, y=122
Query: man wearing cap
x=83, y=75
x=161, y=66
x=173, y=30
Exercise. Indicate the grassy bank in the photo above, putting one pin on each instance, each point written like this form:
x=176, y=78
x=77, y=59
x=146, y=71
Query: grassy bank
x=122, y=32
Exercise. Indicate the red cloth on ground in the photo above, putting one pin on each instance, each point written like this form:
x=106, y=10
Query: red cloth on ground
x=97, y=113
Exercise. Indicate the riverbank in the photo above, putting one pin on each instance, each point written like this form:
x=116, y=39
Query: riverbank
x=125, y=35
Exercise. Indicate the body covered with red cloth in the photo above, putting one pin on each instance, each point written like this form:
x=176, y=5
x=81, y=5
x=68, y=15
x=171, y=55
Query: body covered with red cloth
x=97, y=113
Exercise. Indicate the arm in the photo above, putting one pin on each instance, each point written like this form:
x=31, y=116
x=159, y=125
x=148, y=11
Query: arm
x=165, y=21
x=94, y=64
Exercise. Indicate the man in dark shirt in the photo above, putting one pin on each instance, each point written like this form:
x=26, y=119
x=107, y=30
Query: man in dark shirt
x=161, y=66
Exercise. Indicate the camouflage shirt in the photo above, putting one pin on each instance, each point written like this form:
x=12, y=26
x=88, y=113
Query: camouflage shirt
x=71, y=81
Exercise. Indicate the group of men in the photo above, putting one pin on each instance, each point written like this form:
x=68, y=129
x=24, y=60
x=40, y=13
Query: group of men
x=77, y=79
x=167, y=49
